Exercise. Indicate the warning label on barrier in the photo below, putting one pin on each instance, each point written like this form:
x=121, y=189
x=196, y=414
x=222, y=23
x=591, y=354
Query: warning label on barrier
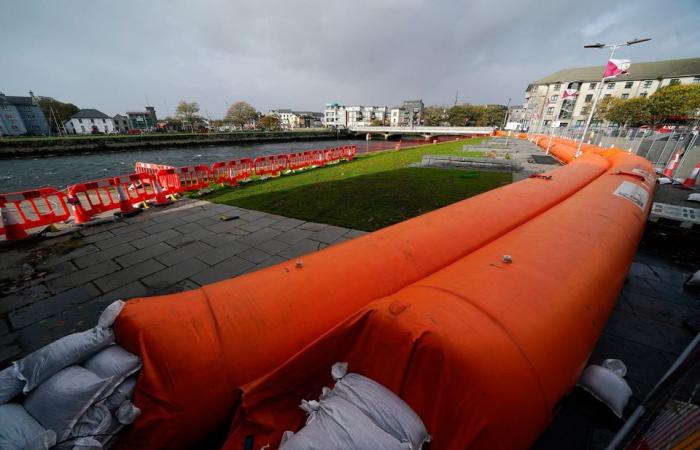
x=634, y=193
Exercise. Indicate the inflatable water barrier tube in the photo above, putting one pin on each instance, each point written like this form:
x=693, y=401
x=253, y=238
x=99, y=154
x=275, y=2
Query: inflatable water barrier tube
x=427, y=307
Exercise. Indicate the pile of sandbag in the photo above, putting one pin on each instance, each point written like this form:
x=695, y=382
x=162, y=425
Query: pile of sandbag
x=74, y=393
x=358, y=413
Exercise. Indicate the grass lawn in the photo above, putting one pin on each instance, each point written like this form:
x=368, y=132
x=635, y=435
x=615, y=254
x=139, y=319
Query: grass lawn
x=369, y=193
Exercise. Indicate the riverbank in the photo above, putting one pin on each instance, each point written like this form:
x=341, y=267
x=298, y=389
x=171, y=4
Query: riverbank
x=71, y=145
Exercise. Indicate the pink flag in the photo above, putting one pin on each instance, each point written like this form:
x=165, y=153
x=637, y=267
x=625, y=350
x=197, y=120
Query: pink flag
x=616, y=67
x=569, y=93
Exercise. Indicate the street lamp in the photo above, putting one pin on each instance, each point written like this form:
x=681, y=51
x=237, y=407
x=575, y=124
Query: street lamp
x=612, y=48
x=505, y=119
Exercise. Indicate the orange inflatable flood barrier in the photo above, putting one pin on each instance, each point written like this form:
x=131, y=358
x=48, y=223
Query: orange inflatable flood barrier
x=199, y=346
x=202, y=348
x=483, y=350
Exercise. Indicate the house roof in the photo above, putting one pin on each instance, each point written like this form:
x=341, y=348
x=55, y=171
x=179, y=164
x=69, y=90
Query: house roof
x=638, y=71
x=19, y=101
x=90, y=114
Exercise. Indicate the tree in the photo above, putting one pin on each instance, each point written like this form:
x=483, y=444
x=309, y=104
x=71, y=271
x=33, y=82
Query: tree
x=62, y=111
x=475, y=115
x=682, y=100
x=633, y=112
x=376, y=123
x=434, y=116
x=187, y=113
x=270, y=122
x=241, y=113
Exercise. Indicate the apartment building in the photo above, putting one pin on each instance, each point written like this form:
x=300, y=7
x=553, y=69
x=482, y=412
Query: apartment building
x=545, y=103
x=336, y=115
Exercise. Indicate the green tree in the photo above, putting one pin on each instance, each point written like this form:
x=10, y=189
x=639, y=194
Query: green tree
x=433, y=116
x=270, y=122
x=633, y=112
x=376, y=123
x=241, y=113
x=61, y=111
x=681, y=100
x=186, y=112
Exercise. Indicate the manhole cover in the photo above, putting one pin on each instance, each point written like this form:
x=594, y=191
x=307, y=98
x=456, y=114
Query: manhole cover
x=544, y=159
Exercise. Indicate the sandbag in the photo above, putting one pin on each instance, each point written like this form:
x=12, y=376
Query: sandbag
x=337, y=424
x=20, y=431
x=45, y=362
x=114, y=362
x=96, y=421
x=10, y=384
x=384, y=408
x=61, y=400
x=122, y=393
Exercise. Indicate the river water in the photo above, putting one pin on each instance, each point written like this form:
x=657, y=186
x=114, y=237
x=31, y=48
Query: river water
x=60, y=171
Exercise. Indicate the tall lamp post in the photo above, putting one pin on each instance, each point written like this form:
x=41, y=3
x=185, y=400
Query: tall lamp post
x=612, y=48
x=505, y=119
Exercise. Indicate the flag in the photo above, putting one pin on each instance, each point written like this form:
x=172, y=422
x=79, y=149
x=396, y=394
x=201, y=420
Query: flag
x=569, y=93
x=616, y=67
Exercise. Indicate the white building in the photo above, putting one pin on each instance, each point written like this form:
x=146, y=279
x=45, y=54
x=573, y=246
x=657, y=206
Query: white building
x=336, y=115
x=545, y=104
x=90, y=121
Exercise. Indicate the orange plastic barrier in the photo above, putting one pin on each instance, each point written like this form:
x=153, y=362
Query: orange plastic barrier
x=483, y=350
x=92, y=198
x=150, y=168
x=194, y=178
x=35, y=208
x=138, y=187
x=193, y=367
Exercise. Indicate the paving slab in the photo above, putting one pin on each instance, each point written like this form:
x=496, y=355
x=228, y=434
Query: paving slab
x=141, y=255
x=225, y=269
x=105, y=255
x=174, y=274
x=137, y=271
x=258, y=237
x=273, y=246
x=83, y=276
x=42, y=309
x=223, y=252
x=155, y=238
x=183, y=253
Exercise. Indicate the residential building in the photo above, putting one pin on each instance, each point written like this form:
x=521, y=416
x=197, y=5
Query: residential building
x=121, y=123
x=290, y=119
x=409, y=114
x=544, y=98
x=143, y=120
x=354, y=116
x=21, y=115
x=89, y=121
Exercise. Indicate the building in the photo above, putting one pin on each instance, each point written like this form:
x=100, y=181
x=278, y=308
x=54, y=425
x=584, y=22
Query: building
x=336, y=115
x=290, y=119
x=121, y=123
x=546, y=106
x=21, y=116
x=409, y=114
x=143, y=120
x=90, y=121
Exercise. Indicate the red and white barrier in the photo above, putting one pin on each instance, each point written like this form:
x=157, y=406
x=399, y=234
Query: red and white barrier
x=691, y=179
x=26, y=210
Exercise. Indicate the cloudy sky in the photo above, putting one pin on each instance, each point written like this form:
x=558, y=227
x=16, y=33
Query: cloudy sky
x=117, y=55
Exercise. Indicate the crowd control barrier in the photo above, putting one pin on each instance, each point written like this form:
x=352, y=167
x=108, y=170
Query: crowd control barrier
x=31, y=209
x=150, y=168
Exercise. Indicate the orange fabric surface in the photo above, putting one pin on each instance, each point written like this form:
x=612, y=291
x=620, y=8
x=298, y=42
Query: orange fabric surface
x=482, y=350
x=198, y=347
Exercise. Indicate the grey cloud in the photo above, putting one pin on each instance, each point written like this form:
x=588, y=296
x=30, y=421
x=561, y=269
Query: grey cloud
x=301, y=54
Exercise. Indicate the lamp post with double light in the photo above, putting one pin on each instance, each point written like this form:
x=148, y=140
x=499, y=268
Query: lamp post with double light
x=612, y=48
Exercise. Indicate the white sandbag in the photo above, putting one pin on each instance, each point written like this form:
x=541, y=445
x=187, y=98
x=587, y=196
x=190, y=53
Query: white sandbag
x=114, y=362
x=20, y=431
x=127, y=413
x=38, y=366
x=384, y=408
x=94, y=424
x=694, y=197
x=110, y=313
x=61, y=400
x=694, y=279
x=664, y=180
x=336, y=424
x=123, y=392
x=10, y=384
x=607, y=385
x=87, y=443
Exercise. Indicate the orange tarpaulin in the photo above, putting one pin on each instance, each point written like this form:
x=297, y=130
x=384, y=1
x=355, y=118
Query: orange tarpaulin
x=200, y=347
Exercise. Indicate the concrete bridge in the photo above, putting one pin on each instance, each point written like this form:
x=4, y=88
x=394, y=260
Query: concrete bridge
x=426, y=132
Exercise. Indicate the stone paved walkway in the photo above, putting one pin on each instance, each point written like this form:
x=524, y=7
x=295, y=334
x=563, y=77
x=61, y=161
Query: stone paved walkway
x=58, y=286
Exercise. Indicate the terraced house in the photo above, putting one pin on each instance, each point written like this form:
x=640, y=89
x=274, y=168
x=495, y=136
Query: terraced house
x=545, y=97
x=21, y=116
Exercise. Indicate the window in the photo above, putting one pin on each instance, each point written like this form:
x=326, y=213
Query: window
x=592, y=85
x=647, y=83
x=625, y=96
x=643, y=94
x=554, y=98
x=104, y=121
x=606, y=95
x=5, y=108
x=609, y=85
x=557, y=86
x=628, y=85
x=674, y=81
x=80, y=120
x=550, y=110
x=589, y=98
x=579, y=123
x=92, y=120
x=82, y=127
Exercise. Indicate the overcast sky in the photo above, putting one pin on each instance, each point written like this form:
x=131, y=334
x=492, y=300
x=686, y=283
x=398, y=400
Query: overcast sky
x=116, y=55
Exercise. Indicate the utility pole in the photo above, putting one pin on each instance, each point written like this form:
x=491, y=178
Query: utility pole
x=612, y=48
x=505, y=119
